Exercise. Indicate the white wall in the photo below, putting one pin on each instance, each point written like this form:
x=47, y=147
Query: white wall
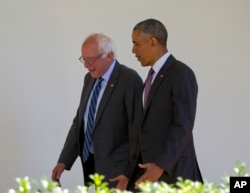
x=41, y=77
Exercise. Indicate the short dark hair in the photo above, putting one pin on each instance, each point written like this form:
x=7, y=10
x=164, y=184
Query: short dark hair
x=153, y=28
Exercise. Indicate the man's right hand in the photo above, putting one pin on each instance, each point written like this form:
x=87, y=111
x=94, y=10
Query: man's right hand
x=57, y=171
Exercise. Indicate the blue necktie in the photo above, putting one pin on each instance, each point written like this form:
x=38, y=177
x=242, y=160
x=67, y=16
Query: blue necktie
x=147, y=85
x=91, y=120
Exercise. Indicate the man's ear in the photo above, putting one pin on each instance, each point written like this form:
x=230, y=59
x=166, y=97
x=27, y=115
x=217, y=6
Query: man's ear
x=154, y=41
x=110, y=55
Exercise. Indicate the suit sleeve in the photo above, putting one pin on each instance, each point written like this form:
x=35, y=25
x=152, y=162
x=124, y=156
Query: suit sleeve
x=134, y=113
x=71, y=146
x=69, y=152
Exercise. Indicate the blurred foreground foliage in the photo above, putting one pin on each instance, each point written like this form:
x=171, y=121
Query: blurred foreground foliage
x=26, y=185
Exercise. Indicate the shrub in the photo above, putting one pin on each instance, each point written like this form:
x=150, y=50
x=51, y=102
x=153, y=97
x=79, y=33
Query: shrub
x=25, y=185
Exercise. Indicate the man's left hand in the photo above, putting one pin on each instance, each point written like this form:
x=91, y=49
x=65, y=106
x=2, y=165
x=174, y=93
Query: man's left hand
x=152, y=173
x=122, y=182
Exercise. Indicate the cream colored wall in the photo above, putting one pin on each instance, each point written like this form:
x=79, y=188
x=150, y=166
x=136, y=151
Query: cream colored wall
x=41, y=77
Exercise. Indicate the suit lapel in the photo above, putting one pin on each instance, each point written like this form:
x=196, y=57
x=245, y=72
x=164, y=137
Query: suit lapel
x=108, y=92
x=158, y=79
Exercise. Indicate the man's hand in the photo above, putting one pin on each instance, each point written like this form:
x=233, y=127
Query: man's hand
x=152, y=173
x=122, y=182
x=57, y=171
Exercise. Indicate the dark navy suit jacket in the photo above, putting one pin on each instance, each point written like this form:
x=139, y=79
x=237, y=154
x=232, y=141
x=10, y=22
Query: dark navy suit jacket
x=168, y=121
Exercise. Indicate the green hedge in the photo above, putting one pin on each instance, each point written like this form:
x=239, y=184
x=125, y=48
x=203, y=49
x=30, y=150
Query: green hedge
x=26, y=185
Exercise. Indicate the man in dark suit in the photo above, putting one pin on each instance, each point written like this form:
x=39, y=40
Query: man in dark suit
x=113, y=148
x=169, y=102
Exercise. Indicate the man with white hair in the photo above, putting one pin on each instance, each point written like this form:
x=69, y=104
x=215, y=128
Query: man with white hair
x=106, y=127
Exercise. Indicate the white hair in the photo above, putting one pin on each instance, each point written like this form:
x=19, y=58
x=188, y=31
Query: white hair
x=105, y=43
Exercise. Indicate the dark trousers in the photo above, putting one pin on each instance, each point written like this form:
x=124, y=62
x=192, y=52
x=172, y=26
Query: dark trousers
x=137, y=174
x=88, y=168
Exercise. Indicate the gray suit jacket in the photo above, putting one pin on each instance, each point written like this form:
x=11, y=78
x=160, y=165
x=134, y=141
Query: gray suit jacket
x=168, y=121
x=116, y=127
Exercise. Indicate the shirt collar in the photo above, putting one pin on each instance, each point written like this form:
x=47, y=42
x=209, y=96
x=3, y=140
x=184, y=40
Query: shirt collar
x=160, y=62
x=107, y=74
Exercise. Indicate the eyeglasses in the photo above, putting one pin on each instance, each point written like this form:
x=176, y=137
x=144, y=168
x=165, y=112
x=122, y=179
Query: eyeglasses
x=90, y=60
